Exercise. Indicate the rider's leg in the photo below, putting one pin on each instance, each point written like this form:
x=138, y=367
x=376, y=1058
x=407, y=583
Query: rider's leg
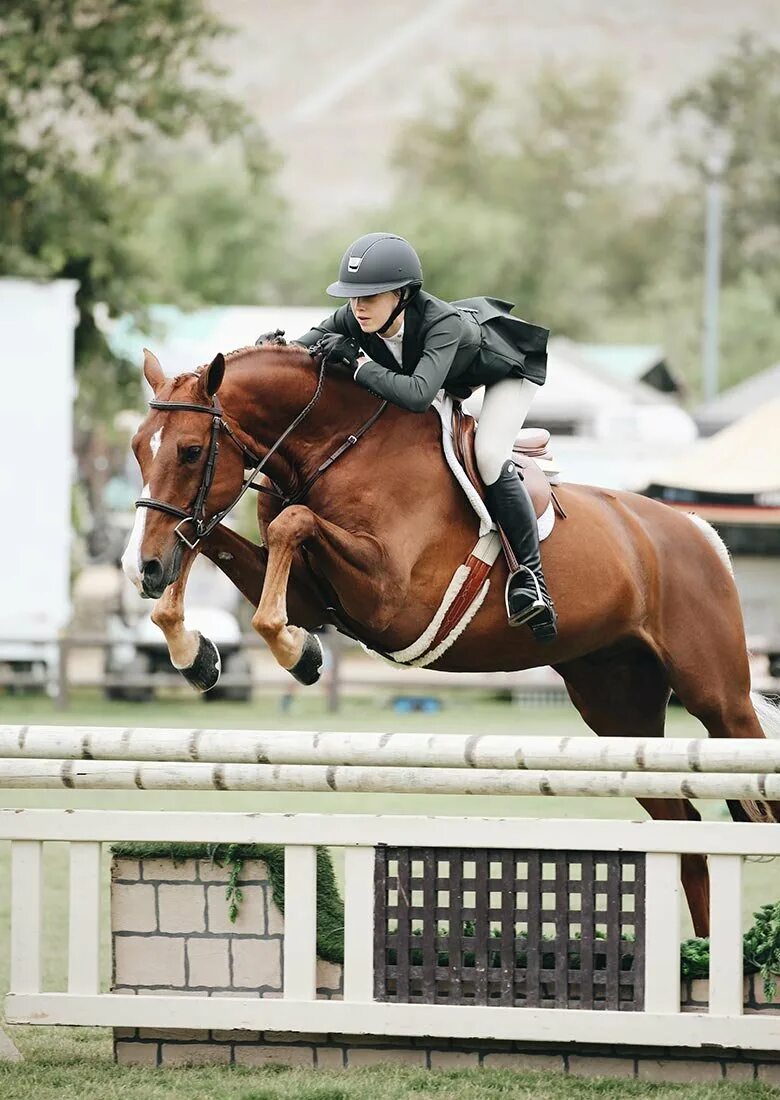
x=504, y=409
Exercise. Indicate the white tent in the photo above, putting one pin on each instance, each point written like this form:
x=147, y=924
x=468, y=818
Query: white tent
x=37, y=320
x=743, y=459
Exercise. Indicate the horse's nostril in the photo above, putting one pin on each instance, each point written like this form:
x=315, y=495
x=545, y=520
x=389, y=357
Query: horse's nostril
x=152, y=570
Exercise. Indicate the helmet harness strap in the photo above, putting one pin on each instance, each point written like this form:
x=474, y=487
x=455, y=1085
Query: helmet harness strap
x=407, y=293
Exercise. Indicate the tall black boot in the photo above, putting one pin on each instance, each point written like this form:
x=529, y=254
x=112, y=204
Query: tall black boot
x=527, y=598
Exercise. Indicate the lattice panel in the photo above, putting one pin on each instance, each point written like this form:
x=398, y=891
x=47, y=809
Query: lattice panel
x=510, y=927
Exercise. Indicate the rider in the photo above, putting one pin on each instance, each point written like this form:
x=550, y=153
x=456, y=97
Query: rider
x=413, y=345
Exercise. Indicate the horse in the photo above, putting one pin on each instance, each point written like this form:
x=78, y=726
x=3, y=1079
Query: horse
x=368, y=536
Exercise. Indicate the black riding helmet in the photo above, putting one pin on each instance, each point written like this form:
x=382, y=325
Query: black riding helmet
x=375, y=263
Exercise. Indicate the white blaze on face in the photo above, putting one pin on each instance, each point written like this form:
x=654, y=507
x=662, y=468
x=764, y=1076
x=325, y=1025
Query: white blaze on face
x=155, y=441
x=131, y=559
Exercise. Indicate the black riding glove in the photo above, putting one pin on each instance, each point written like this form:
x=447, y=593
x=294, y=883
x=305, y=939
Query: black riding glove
x=275, y=337
x=340, y=349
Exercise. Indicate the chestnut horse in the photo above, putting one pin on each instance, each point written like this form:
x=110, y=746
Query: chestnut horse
x=645, y=597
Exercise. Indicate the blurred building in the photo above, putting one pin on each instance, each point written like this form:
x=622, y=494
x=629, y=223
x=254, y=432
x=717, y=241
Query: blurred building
x=38, y=321
x=608, y=425
x=738, y=401
x=644, y=363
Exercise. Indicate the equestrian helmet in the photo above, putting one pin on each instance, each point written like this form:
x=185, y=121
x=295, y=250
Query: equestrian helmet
x=374, y=263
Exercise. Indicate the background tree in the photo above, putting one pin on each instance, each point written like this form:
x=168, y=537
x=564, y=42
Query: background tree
x=92, y=95
x=538, y=201
x=529, y=201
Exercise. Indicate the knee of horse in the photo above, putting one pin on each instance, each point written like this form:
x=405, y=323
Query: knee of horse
x=166, y=617
x=292, y=526
x=269, y=627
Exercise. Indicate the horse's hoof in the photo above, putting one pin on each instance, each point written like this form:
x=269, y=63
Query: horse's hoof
x=308, y=668
x=205, y=670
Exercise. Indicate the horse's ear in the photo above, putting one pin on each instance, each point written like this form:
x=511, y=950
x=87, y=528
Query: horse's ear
x=214, y=373
x=153, y=372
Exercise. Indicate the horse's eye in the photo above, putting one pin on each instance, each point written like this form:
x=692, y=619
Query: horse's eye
x=191, y=454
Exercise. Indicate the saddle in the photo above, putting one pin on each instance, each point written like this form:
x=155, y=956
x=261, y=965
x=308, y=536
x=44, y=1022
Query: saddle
x=531, y=443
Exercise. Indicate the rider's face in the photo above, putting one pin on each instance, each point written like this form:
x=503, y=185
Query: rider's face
x=372, y=311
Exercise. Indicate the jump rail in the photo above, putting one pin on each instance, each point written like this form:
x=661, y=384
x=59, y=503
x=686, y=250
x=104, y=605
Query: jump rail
x=92, y=758
x=439, y=750
x=158, y=775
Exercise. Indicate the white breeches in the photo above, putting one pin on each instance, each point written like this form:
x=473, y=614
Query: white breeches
x=504, y=410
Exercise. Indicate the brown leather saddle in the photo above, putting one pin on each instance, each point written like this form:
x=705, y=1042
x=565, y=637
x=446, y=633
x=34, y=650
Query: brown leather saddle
x=531, y=443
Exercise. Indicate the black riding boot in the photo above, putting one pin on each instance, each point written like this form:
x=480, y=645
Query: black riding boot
x=527, y=598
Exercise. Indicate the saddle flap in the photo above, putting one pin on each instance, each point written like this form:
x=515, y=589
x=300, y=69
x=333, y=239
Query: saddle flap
x=534, y=478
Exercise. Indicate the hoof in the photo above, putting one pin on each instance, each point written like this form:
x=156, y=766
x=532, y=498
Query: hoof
x=309, y=666
x=205, y=670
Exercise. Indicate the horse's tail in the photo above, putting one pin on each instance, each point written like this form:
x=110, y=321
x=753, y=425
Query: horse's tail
x=714, y=539
x=767, y=713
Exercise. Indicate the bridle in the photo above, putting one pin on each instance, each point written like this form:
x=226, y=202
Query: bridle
x=197, y=512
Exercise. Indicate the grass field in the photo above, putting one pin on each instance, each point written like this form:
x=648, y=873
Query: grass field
x=70, y=1063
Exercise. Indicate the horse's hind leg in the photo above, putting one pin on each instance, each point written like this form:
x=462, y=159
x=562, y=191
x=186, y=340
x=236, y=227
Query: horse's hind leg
x=703, y=647
x=626, y=694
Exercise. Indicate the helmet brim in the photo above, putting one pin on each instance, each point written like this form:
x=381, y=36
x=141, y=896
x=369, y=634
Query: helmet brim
x=363, y=290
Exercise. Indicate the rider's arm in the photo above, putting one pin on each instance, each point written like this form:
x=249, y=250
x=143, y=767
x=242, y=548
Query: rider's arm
x=415, y=391
x=335, y=323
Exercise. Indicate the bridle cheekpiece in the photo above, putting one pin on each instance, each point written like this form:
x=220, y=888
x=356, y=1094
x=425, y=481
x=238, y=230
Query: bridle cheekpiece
x=197, y=513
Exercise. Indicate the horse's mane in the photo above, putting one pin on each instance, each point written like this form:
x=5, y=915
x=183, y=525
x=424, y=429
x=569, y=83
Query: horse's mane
x=290, y=351
x=239, y=354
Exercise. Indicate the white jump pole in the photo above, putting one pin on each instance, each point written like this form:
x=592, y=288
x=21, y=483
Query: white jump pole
x=440, y=750
x=159, y=775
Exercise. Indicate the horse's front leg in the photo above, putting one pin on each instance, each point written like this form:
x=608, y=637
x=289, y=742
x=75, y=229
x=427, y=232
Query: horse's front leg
x=193, y=655
x=357, y=558
x=294, y=648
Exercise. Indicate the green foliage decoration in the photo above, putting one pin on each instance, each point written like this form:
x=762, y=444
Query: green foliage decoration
x=330, y=907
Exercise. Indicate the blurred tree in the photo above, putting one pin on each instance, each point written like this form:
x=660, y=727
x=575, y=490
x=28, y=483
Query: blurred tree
x=729, y=122
x=734, y=114
x=86, y=89
x=212, y=234
x=530, y=202
x=538, y=202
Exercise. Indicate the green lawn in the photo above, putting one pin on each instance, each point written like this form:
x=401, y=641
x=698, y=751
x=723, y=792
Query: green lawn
x=84, y=1074
x=76, y=1063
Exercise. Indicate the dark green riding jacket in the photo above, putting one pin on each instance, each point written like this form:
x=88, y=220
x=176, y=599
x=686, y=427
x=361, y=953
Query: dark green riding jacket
x=453, y=346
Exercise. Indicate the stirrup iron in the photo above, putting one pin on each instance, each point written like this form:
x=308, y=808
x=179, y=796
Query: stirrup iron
x=534, y=609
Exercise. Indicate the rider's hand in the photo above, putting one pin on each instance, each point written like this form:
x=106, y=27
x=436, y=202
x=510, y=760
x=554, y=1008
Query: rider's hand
x=275, y=337
x=340, y=349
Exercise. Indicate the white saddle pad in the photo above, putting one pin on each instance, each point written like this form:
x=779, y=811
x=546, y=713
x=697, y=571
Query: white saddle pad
x=444, y=407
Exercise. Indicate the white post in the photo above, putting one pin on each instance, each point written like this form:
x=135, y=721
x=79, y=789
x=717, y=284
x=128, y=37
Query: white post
x=359, y=924
x=712, y=264
x=300, y=922
x=84, y=934
x=726, y=971
x=26, y=915
x=662, y=933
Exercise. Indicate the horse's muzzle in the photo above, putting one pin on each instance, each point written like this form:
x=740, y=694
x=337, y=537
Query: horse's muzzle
x=156, y=575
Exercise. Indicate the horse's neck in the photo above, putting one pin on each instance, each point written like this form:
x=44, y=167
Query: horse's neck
x=266, y=392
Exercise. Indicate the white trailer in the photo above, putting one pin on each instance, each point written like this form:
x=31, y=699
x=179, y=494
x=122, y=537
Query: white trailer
x=37, y=321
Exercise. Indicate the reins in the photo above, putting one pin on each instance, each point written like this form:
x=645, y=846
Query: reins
x=197, y=513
